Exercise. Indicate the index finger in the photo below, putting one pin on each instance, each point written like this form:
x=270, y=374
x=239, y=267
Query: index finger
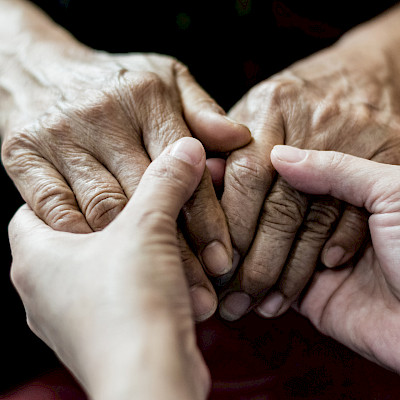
x=207, y=229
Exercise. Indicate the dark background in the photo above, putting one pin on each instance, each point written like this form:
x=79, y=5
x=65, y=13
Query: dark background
x=229, y=46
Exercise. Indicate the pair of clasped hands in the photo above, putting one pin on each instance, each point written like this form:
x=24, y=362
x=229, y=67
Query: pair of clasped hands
x=106, y=162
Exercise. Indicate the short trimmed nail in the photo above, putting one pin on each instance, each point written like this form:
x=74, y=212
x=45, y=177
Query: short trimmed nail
x=235, y=259
x=289, y=154
x=188, y=150
x=234, y=306
x=333, y=256
x=203, y=303
x=216, y=259
x=271, y=305
x=232, y=121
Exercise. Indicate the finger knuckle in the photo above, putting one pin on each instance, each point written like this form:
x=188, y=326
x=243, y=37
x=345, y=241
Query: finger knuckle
x=55, y=205
x=352, y=229
x=57, y=125
x=143, y=85
x=102, y=208
x=258, y=279
x=280, y=90
x=283, y=210
x=320, y=220
x=323, y=114
x=355, y=223
x=15, y=151
x=249, y=173
x=336, y=160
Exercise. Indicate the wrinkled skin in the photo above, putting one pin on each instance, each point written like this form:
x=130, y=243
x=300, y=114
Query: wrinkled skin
x=345, y=98
x=358, y=305
x=80, y=127
x=111, y=302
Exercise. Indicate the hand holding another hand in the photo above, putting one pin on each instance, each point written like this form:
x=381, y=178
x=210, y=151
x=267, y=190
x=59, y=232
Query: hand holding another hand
x=344, y=98
x=358, y=305
x=81, y=126
x=111, y=302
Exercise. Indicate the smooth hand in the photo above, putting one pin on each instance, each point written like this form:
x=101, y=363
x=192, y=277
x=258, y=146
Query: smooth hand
x=345, y=98
x=80, y=127
x=114, y=305
x=359, y=305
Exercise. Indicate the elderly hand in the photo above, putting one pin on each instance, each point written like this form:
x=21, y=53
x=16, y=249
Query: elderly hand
x=112, y=301
x=345, y=98
x=359, y=305
x=80, y=128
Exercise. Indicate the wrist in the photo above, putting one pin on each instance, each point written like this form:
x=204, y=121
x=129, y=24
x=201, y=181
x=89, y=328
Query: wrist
x=157, y=362
x=34, y=52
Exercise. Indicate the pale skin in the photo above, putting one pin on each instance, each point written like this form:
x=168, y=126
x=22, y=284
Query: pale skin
x=345, y=98
x=114, y=305
x=116, y=317
x=359, y=305
x=79, y=127
x=63, y=118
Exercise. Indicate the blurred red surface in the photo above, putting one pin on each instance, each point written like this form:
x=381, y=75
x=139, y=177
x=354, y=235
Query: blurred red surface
x=258, y=359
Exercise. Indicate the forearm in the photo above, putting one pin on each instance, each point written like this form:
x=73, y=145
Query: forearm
x=31, y=47
x=146, y=367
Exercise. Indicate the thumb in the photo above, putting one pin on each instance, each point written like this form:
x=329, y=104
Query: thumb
x=357, y=181
x=167, y=184
x=26, y=227
x=206, y=119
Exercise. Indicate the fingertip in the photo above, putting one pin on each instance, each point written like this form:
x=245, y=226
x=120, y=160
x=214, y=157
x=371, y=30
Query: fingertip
x=333, y=256
x=189, y=150
x=288, y=154
x=204, y=303
x=216, y=259
x=240, y=131
x=234, y=306
x=216, y=166
x=272, y=305
x=218, y=132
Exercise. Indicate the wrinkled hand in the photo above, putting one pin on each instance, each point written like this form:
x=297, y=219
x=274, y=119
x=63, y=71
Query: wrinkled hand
x=359, y=305
x=112, y=301
x=85, y=126
x=340, y=99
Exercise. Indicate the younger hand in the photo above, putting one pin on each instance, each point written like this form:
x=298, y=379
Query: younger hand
x=358, y=305
x=110, y=302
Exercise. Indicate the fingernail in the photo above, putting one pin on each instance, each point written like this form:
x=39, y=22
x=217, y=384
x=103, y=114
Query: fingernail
x=234, y=306
x=333, y=256
x=235, y=259
x=216, y=259
x=188, y=150
x=203, y=303
x=289, y=154
x=271, y=305
x=224, y=279
x=232, y=121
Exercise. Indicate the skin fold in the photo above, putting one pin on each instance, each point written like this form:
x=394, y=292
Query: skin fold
x=115, y=305
x=359, y=304
x=79, y=128
x=345, y=98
